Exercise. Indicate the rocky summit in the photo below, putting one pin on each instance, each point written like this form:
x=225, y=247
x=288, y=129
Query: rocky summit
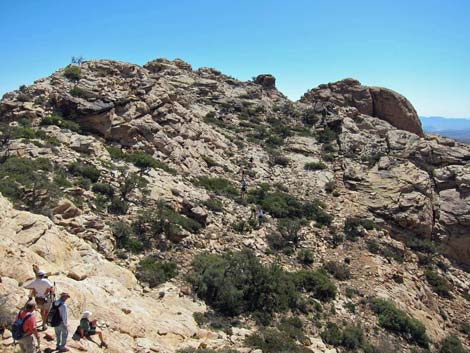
x=195, y=213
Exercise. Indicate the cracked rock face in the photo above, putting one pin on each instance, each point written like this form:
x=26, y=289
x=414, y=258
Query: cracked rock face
x=379, y=102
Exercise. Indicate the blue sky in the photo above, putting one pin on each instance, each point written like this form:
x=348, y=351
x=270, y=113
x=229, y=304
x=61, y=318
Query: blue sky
x=419, y=48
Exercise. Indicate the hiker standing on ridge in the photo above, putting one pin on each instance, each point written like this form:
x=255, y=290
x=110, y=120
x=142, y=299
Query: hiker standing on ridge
x=244, y=188
x=58, y=320
x=260, y=216
x=28, y=328
x=42, y=290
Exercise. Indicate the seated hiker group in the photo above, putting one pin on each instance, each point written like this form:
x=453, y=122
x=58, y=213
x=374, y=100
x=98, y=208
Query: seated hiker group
x=53, y=313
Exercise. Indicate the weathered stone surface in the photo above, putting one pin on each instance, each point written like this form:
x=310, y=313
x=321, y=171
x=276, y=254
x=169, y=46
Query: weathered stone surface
x=373, y=101
x=108, y=290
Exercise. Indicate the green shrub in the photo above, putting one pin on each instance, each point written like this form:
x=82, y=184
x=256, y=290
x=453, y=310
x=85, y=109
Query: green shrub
x=26, y=183
x=144, y=162
x=353, y=227
x=290, y=229
x=125, y=237
x=373, y=246
x=317, y=283
x=425, y=260
x=283, y=205
x=465, y=328
x=353, y=337
x=152, y=223
x=81, y=93
x=104, y=189
x=271, y=340
x=326, y=136
x=422, y=245
x=155, y=272
x=332, y=334
x=61, y=180
x=292, y=327
x=328, y=157
x=309, y=117
x=25, y=132
x=339, y=271
x=116, y=153
x=387, y=251
x=281, y=160
x=118, y=206
x=85, y=170
x=396, y=320
x=216, y=322
x=84, y=183
x=59, y=121
x=219, y=186
x=452, y=344
x=72, y=72
x=129, y=182
x=210, y=118
x=315, y=166
x=277, y=242
x=215, y=205
x=306, y=257
x=236, y=283
x=172, y=217
x=438, y=284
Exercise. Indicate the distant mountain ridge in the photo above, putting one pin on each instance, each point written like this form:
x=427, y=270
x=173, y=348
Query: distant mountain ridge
x=458, y=129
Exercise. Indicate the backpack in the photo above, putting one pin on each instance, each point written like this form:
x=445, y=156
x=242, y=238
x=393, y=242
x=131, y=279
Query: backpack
x=53, y=318
x=17, y=330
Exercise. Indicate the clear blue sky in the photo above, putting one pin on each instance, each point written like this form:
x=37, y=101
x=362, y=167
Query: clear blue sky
x=420, y=48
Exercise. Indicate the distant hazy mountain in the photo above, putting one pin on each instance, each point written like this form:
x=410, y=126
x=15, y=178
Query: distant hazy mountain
x=458, y=129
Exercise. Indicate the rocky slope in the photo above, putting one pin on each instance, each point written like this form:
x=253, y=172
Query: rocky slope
x=341, y=144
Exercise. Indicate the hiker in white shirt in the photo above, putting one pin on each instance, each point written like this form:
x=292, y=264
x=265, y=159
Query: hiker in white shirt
x=42, y=290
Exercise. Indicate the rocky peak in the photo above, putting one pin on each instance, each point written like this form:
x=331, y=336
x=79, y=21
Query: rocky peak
x=266, y=80
x=140, y=170
x=379, y=102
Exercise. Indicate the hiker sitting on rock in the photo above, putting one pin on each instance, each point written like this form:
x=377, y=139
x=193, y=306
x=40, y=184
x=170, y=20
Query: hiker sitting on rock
x=87, y=328
x=25, y=327
x=42, y=290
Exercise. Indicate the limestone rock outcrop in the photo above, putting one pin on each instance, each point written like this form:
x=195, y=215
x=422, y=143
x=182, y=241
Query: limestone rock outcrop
x=379, y=102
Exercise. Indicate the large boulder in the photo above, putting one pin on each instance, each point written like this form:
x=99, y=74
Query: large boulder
x=378, y=102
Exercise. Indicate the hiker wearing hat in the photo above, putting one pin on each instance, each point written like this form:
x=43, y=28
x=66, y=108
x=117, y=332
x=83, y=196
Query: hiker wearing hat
x=88, y=328
x=59, y=322
x=42, y=290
